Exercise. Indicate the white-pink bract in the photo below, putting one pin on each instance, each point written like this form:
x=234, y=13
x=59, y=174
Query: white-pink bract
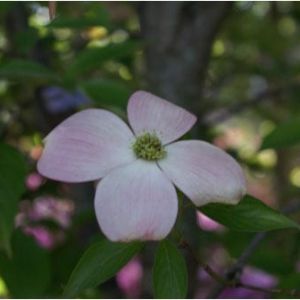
x=136, y=198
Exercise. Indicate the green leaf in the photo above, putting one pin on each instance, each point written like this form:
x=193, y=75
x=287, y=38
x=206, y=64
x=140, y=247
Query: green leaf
x=27, y=273
x=284, y=135
x=94, y=16
x=170, y=279
x=20, y=69
x=79, y=23
x=12, y=178
x=107, y=92
x=93, y=58
x=250, y=215
x=99, y=263
x=25, y=40
x=290, y=281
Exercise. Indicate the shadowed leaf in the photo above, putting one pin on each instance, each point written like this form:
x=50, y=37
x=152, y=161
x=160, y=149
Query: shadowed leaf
x=12, y=178
x=284, y=135
x=20, y=69
x=170, y=279
x=99, y=263
x=250, y=215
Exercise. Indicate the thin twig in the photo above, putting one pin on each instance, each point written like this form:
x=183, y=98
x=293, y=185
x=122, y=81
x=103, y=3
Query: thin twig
x=292, y=292
x=234, y=272
x=232, y=283
x=52, y=9
x=222, y=115
x=205, y=266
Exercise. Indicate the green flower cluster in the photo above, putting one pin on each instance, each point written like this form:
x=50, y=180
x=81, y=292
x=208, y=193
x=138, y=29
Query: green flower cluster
x=149, y=147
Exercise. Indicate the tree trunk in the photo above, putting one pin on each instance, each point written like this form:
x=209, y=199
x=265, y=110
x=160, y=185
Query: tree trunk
x=178, y=37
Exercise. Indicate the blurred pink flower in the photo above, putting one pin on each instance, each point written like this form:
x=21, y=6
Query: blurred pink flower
x=208, y=224
x=51, y=208
x=250, y=275
x=231, y=138
x=129, y=278
x=45, y=208
x=45, y=238
x=34, y=181
x=262, y=188
x=236, y=138
x=254, y=277
x=136, y=198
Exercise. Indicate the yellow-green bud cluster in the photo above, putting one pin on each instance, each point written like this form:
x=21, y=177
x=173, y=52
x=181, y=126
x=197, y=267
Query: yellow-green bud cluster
x=148, y=147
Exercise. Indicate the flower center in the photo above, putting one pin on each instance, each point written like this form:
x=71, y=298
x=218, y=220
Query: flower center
x=148, y=147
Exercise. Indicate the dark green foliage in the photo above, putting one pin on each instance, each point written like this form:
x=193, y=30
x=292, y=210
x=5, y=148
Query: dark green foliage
x=170, y=279
x=27, y=272
x=250, y=215
x=20, y=69
x=107, y=92
x=12, y=177
x=93, y=58
x=99, y=263
x=284, y=135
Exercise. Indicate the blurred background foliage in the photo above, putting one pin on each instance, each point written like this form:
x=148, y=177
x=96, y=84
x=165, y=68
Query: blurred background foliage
x=93, y=55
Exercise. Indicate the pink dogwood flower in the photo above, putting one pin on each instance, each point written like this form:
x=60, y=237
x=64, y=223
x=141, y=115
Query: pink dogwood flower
x=208, y=224
x=140, y=166
x=129, y=278
x=34, y=181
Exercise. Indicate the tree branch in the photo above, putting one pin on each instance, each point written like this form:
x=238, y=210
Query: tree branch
x=52, y=9
x=269, y=94
x=233, y=283
x=232, y=275
x=234, y=272
x=178, y=37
